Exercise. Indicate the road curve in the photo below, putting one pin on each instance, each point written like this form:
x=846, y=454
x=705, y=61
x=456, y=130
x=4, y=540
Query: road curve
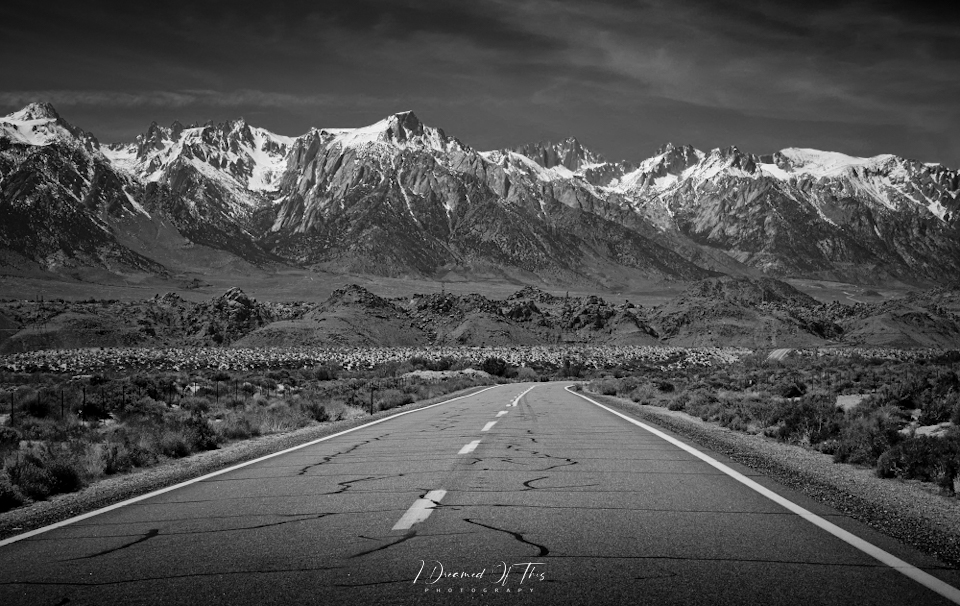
x=779, y=354
x=576, y=504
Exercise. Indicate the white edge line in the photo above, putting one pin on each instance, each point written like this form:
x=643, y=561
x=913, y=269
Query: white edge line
x=502, y=412
x=489, y=426
x=161, y=491
x=926, y=579
x=420, y=510
x=469, y=447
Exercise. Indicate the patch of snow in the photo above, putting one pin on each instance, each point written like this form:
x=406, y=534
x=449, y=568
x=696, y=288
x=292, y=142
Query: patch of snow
x=938, y=209
x=268, y=166
x=39, y=132
x=135, y=204
x=377, y=135
x=124, y=158
x=775, y=171
x=406, y=198
x=819, y=163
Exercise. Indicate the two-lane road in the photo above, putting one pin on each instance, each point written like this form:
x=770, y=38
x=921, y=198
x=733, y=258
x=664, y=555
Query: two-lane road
x=577, y=504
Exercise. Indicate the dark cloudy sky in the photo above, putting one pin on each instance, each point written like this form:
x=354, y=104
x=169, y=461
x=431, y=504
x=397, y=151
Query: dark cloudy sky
x=624, y=77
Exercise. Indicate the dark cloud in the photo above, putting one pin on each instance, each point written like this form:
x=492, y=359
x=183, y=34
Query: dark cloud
x=624, y=76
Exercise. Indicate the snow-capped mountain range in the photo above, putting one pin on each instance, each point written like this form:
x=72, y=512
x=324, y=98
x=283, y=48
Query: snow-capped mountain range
x=400, y=198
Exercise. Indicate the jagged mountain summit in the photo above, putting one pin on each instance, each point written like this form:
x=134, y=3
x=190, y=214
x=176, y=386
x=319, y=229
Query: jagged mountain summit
x=402, y=198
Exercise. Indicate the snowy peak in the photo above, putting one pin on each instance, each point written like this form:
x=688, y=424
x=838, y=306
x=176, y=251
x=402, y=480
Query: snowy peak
x=400, y=131
x=39, y=124
x=819, y=163
x=672, y=160
x=34, y=111
x=252, y=158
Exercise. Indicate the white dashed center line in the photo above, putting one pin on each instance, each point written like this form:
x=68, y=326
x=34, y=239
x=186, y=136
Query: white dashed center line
x=488, y=426
x=469, y=447
x=517, y=400
x=502, y=412
x=420, y=510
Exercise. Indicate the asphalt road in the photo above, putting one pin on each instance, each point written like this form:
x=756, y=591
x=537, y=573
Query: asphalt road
x=594, y=510
x=778, y=354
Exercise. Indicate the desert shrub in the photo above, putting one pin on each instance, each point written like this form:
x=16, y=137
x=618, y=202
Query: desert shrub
x=393, y=398
x=143, y=409
x=665, y=387
x=525, y=373
x=607, y=386
x=643, y=394
x=700, y=403
x=9, y=438
x=37, y=404
x=680, y=402
x=40, y=474
x=200, y=434
x=310, y=405
x=32, y=428
x=337, y=409
x=232, y=402
x=425, y=392
x=10, y=494
x=279, y=416
x=937, y=409
x=197, y=406
x=677, y=404
x=496, y=367
x=119, y=457
x=792, y=389
x=810, y=420
x=173, y=442
x=266, y=384
x=238, y=425
x=923, y=458
x=864, y=439
x=326, y=373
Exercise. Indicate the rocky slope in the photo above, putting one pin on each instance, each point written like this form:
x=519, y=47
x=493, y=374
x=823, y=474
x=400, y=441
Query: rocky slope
x=60, y=197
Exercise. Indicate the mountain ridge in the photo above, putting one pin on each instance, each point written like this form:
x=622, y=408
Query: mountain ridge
x=399, y=197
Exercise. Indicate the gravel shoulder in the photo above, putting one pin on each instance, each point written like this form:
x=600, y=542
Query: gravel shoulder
x=121, y=487
x=911, y=512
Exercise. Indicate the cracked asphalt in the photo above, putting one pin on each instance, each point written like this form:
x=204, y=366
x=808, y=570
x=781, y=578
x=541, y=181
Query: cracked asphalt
x=576, y=505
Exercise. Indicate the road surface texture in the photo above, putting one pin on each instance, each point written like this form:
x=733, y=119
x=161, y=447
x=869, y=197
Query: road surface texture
x=778, y=354
x=579, y=505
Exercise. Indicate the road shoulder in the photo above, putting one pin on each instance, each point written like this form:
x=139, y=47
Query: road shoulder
x=907, y=511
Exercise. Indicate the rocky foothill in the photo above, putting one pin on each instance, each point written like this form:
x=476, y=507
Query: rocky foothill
x=718, y=312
